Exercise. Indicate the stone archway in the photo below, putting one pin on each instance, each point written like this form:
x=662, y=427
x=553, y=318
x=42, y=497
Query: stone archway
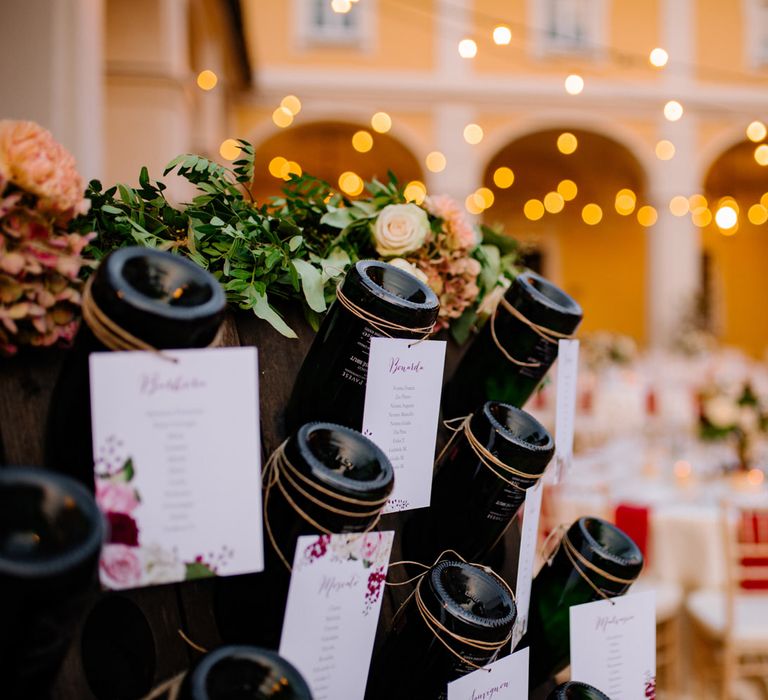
x=736, y=259
x=324, y=149
x=602, y=265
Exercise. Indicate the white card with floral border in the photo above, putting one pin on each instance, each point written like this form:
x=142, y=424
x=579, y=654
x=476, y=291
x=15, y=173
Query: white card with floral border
x=333, y=607
x=505, y=679
x=177, y=464
x=613, y=645
x=402, y=409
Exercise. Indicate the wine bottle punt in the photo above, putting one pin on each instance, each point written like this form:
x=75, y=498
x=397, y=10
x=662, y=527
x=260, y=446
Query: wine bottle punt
x=533, y=314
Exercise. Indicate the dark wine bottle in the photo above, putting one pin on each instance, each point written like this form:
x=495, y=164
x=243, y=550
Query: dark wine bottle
x=325, y=479
x=51, y=533
x=573, y=690
x=161, y=299
x=479, y=484
x=374, y=300
x=594, y=560
x=244, y=673
x=486, y=371
x=459, y=618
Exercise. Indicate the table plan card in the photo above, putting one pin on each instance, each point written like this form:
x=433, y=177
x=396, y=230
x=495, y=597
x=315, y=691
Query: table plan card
x=527, y=559
x=613, y=645
x=333, y=607
x=565, y=409
x=402, y=405
x=177, y=464
x=505, y=679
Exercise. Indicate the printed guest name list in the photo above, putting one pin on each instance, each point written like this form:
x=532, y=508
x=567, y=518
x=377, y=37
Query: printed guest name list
x=402, y=401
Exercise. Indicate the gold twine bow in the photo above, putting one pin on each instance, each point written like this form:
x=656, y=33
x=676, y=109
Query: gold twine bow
x=112, y=335
x=437, y=627
x=549, y=335
x=279, y=470
x=382, y=325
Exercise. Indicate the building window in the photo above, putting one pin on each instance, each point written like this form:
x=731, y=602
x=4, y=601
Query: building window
x=756, y=30
x=568, y=26
x=319, y=25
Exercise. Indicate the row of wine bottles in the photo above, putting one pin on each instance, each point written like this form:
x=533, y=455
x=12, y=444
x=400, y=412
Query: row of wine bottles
x=335, y=478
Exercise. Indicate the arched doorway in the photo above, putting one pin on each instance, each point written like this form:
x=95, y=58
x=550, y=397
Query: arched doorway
x=603, y=265
x=325, y=150
x=736, y=258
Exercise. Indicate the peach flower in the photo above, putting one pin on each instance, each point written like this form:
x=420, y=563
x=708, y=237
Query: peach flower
x=31, y=159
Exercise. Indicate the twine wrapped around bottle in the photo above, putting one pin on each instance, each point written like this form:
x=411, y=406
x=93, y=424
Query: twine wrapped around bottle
x=113, y=336
x=549, y=335
x=490, y=460
x=433, y=624
x=579, y=562
x=382, y=325
x=280, y=472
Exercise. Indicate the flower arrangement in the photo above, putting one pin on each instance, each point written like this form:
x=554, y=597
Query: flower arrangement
x=604, y=348
x=735, y=412
x=432, y=240
x=297, y=247
x=40, y=260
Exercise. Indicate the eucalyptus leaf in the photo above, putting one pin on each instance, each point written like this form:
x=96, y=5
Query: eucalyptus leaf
x=260, y=305
x=311, y=285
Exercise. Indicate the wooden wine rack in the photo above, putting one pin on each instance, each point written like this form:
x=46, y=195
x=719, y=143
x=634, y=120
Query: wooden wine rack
x=155, y=615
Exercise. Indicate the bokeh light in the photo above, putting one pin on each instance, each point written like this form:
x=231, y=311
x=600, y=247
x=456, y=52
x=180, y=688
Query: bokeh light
x=574, y=84
x=673, y=110
x=503, y=177
x=351, y=183
x=554, y=202
x=567, y=189
x=756, y=131
x=665, y=150
x=502, y=35
x=567, y=143
x=207, y=79
x=381, y=122
x=362, y=141
x=592, y=214
x=533, y=209
x=473, y=134
x=435, y=162
x=229, y=149
x=647, y=216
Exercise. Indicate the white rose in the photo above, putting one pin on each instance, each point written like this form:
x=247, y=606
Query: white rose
x=400, y=229
x=721, y=412
x=403, y=264
x=162, y=565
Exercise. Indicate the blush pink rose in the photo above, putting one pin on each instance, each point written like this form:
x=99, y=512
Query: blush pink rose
x=115, y=497
x=120, y=566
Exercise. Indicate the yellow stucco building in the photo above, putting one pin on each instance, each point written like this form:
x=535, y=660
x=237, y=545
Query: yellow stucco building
x=640, y=270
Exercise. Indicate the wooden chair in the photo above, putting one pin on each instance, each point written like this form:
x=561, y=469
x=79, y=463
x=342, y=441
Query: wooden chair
x=730, y=626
